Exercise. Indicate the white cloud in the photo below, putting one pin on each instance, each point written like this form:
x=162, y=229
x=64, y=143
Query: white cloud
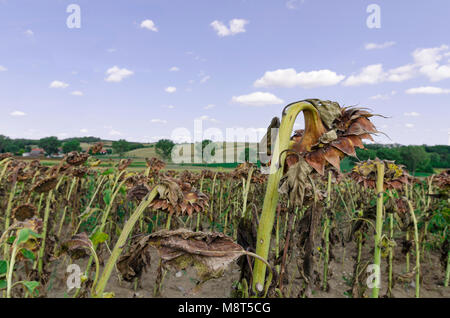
x=149, y=25
x=113, y=132
x=18, y=113
x=207, y=118
x=205, y=79
x=380, y=97
x=294, y=4
x=58, y=84
x=374, y=74
x=174, y=69
x=257, y=99
x=3, y=69
x=428, y=61
x=111, y=50
x=29, y=32
x=209, y=106
x=427, y=90
x=116, y=74
x=159, y=121
x=409, y=125
x=379, y=46
x=84, y=130
x=77, y=93
x=411, y=114
x=235, y=26
x=171, y=89
x=170, y=106
x=383, y=96
x=290, y=78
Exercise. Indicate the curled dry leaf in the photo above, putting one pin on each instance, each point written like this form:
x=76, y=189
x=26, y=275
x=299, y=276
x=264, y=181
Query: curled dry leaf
x=209, y=253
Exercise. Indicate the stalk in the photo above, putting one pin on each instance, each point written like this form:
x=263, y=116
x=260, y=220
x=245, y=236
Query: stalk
x=246, y=191
x=276, y=171
x=44, y=232
x=128, y=228
x=391, y=252
x=10, y=271
x=379, y=223
x=327, y=235
x=447, y=272
x=8, y=214
x=416, y=241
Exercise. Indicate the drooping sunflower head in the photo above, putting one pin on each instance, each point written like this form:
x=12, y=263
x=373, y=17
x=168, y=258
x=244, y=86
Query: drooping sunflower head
x=75, y=158
x=155, y=164
x=45, y=185
x=97, y=148
x=175, y=196
x=24, y=212
x=331, y=133
x=365, y=173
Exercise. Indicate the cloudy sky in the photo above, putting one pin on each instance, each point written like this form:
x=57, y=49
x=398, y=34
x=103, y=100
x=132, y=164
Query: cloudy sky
x=139, y=69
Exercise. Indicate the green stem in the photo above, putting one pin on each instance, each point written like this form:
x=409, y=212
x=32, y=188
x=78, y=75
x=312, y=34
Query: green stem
x=417, y=243
x=121, y=242
x=10, y=271
x=379, y=223
x=271, y=197
x=44, y=232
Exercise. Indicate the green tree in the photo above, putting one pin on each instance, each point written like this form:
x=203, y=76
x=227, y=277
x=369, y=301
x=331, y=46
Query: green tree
x=50, y=145
x=72, y=145
x=120, y=147
x=164, y=148
x=414, y=157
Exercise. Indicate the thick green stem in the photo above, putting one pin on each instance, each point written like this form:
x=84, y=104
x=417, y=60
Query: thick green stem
x=378, y=225
x=271, y=198
x=10, y=271
x=128, y=228
x=417, y=243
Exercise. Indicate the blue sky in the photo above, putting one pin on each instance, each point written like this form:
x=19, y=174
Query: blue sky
x=139, y=69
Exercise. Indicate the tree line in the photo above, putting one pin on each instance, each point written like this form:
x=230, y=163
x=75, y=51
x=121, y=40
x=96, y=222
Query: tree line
x=416, y=158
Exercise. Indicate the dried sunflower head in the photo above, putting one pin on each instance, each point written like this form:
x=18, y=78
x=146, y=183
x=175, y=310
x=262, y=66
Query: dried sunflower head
x=155, y=164
x=365, y=173
x=75, y=158
x=207, y=174
x=189, y=177
x=442, y=180
x=138, y=192
x=79, y=172
x=124, y=163
x=24, y=212
x=331, y=133
x=178, y=197
x=77, y=246
x=45, y=185
x=95, y=149
x=5, y=155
